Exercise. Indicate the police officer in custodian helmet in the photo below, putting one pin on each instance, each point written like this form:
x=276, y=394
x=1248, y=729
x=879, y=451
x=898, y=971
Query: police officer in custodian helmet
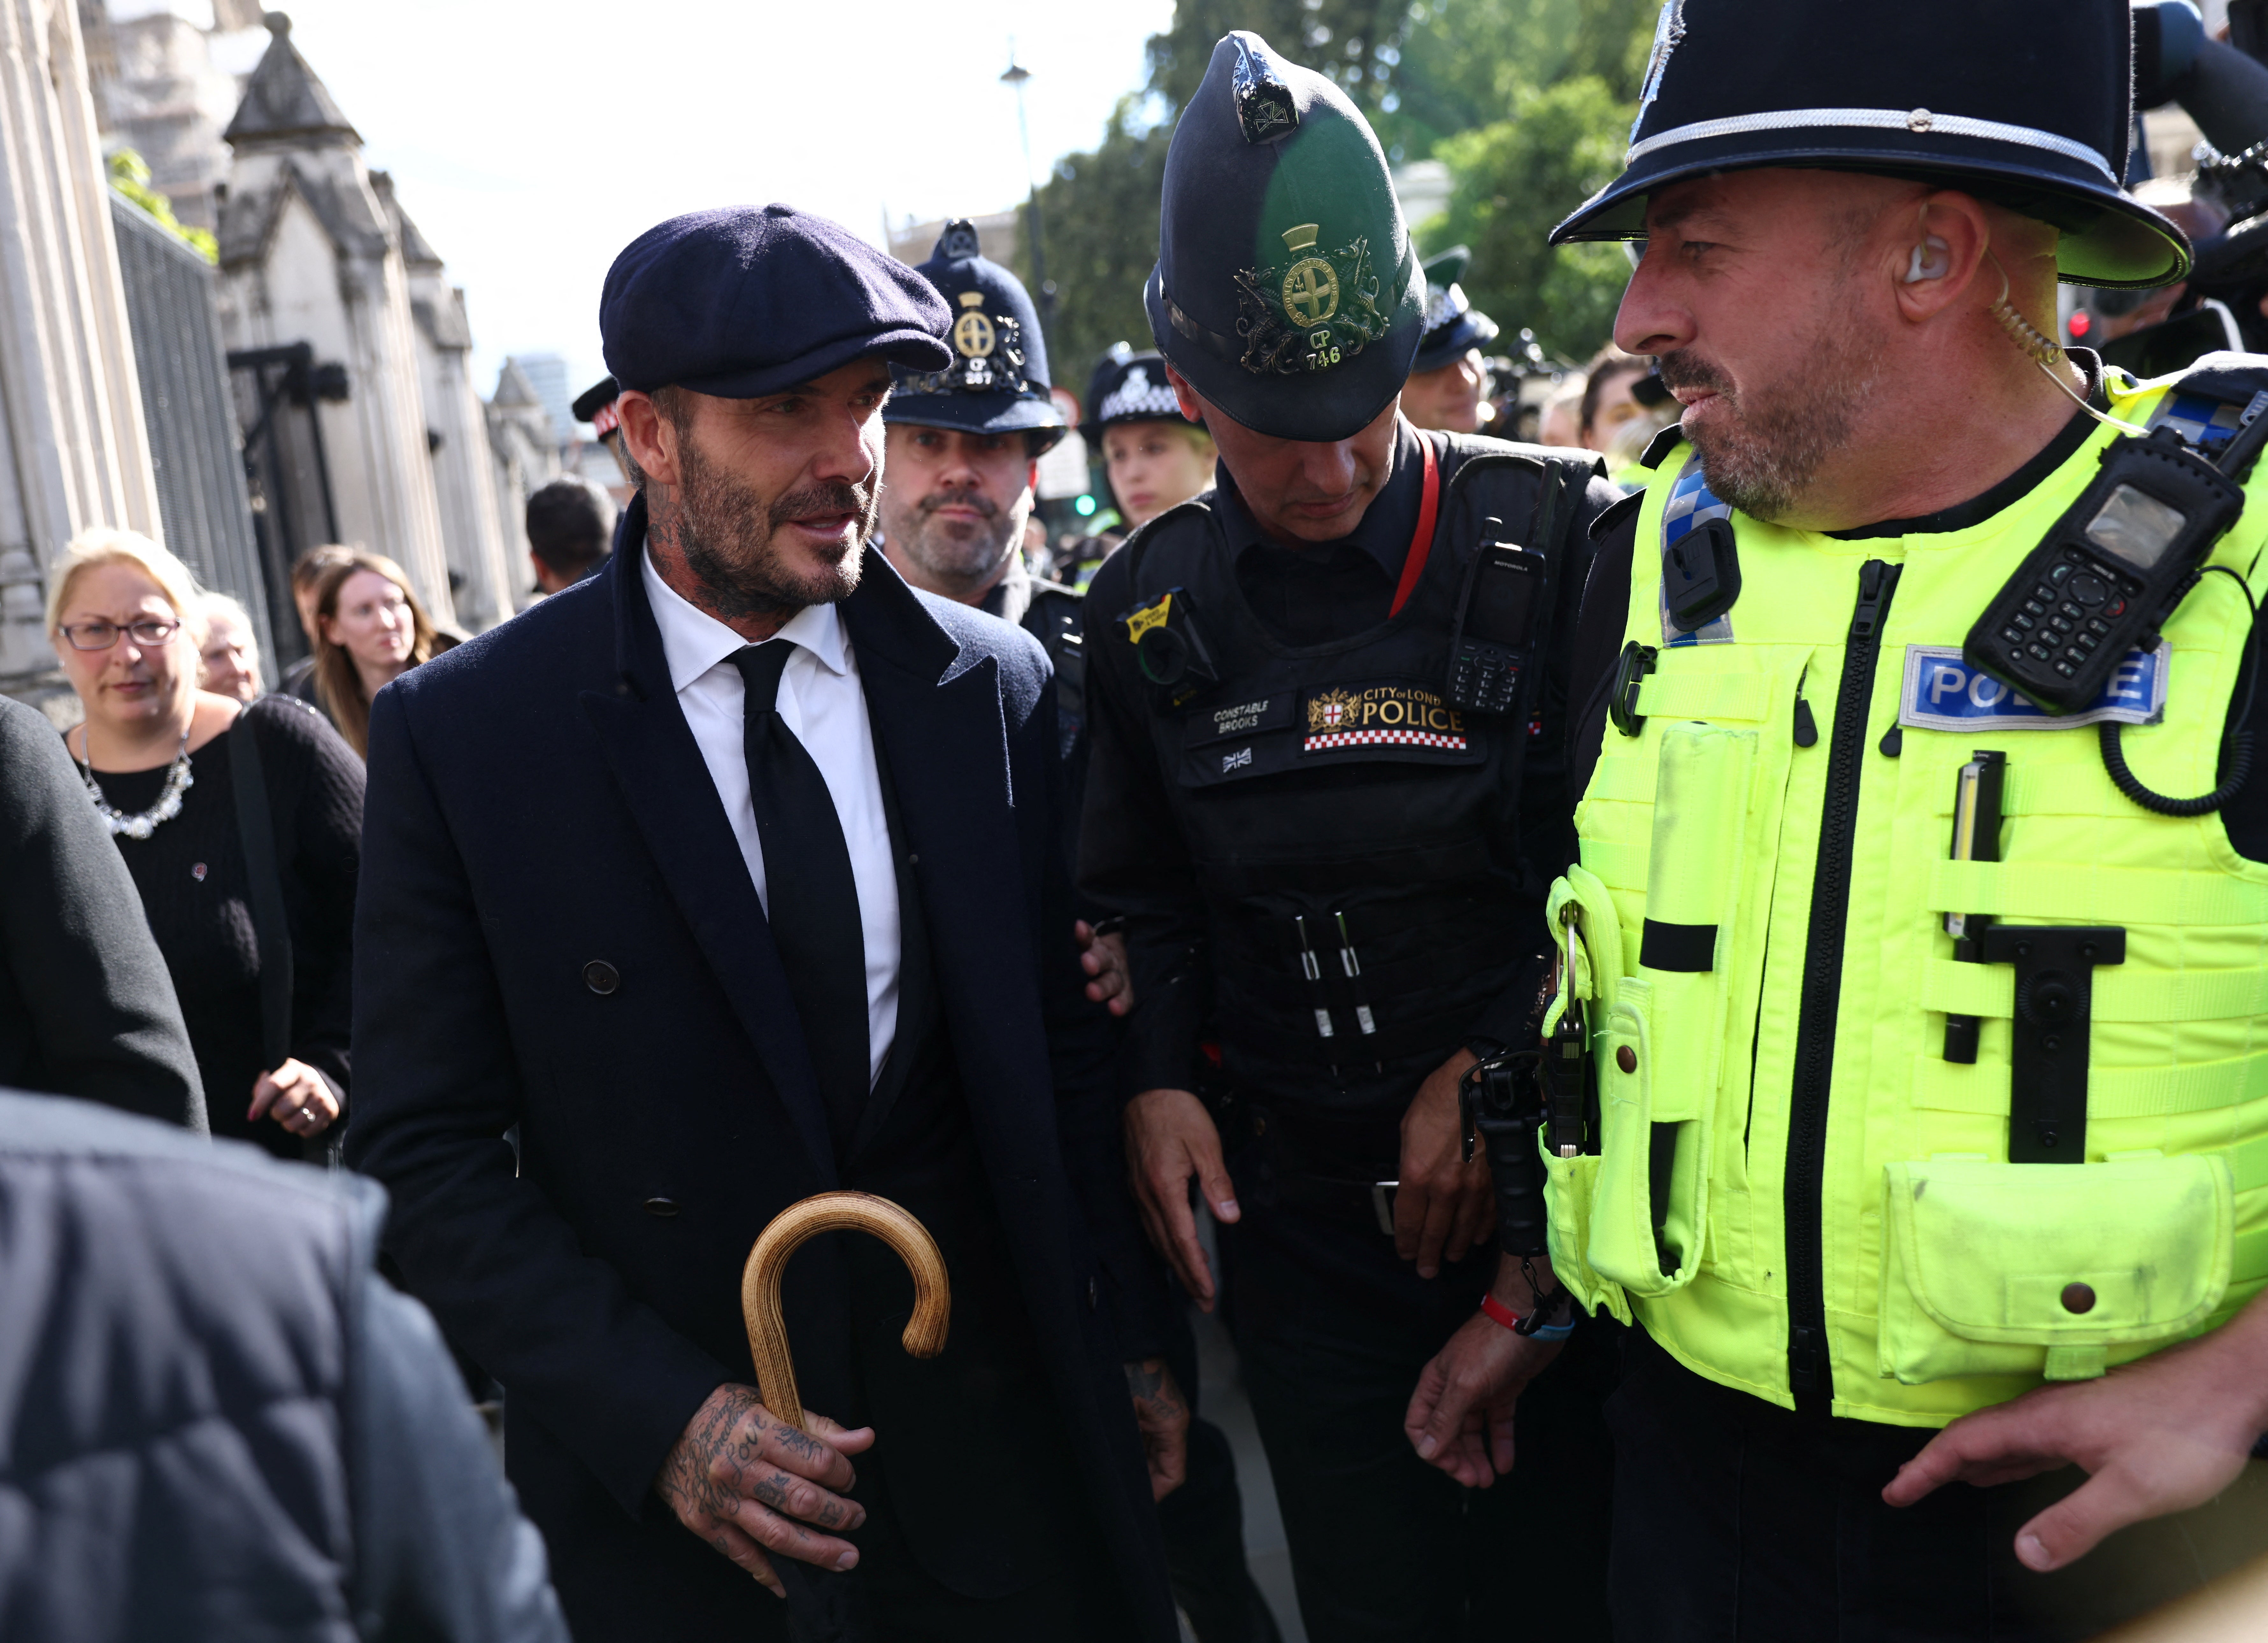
x=1916, y=941
x=1327, y=795
x=963, y=451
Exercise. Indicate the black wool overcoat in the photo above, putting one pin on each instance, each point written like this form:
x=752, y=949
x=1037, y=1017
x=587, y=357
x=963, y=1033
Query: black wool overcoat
x=556, y=931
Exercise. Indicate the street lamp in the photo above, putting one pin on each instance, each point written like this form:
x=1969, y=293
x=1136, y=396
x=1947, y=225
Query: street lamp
x=1015, y=77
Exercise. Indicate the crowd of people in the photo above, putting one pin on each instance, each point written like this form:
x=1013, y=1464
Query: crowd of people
x=1475, y=915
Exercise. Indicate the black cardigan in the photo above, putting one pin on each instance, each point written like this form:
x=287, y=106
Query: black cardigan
x=195, y=889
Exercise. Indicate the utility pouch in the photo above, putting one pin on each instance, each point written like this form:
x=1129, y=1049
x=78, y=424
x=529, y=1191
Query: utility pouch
x=1569, y=1186
x=1663, y=1045
x=1581, y=915
x=2036, y=1270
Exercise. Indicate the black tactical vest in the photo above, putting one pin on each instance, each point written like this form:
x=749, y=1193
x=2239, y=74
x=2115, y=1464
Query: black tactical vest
x=1353, y=832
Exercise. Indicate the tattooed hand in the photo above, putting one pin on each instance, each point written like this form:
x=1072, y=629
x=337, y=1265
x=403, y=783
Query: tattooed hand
x=740, y=1478
x=1163, y=1415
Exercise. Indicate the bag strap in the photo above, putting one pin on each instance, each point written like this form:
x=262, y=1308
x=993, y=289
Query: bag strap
x=255, y=830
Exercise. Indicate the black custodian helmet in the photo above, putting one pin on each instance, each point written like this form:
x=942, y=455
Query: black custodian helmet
x=997, y=381
x=1287, y=290
x=2025, y=103
x=1454, y=327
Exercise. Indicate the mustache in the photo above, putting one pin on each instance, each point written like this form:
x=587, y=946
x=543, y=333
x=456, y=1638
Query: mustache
x=1687, y=370
x=983, y=504
x=818, y=501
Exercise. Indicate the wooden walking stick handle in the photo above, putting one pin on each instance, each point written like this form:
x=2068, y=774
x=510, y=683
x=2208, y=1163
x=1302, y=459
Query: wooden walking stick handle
x=790, y=1230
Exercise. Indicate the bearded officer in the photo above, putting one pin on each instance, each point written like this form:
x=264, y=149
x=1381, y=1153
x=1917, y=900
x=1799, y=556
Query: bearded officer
x=1450, y=380
x=1329, y=843
x=1876, y=654
x=964, y=445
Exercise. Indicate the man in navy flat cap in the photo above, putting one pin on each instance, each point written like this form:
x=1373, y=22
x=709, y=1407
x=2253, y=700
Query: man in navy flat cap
x=812, y=823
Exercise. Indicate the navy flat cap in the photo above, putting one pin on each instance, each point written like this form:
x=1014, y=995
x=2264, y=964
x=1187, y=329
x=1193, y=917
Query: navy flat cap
x=746, y=301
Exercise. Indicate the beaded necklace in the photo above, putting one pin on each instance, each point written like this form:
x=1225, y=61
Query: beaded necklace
x=178, y=782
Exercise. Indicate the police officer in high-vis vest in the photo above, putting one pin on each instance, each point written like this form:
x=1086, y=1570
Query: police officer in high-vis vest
x=1918, y=949
x=1326, y=794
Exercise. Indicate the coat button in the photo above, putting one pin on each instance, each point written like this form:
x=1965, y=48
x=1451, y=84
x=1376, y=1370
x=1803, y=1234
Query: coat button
x=2078, y=1297
x=1626, y=1059
x=663, y=1207
x=1091, y=1299
x=601, y=977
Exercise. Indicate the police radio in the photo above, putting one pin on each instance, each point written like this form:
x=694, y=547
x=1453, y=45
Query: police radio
x=1496, y=614
x=2112, y=568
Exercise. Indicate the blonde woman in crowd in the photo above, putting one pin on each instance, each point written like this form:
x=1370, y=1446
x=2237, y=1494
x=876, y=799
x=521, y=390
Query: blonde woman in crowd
x=369, y=630
x=230, y=653
x=160, y=761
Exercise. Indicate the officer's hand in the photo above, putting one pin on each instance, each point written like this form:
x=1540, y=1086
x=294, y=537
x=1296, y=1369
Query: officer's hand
x=2159, y=1435
x=1445, y=1205
x=1460, y=1418
x=1169, y=1138
x=740, y=1478
x=1103, y=958
x=1161, y=1414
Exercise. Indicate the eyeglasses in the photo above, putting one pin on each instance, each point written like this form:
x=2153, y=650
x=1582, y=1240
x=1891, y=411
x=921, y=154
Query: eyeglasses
x=100, y=636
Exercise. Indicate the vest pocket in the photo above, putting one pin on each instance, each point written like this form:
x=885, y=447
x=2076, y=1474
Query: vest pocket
x=1572, y=1184
x=1649, y=1204
x=2048, y=1270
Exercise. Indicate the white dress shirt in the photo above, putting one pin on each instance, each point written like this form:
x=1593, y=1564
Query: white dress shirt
x=821, y=701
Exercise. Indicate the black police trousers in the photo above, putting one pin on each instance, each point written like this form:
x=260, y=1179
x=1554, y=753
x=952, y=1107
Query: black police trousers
x=1739, y=1521
x=1331, y=1330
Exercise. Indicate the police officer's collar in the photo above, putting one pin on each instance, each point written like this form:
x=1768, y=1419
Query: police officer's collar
x=1383, y=532
x=1011, y=596
x=2017, y=485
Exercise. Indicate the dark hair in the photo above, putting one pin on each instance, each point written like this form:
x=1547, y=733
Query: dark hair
x=571, y=524
x=310, y=566
x=670, y=401
x=1608, y=363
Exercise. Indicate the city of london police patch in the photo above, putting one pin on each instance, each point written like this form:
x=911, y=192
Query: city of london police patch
x=1310, y=313
x=1384, y=715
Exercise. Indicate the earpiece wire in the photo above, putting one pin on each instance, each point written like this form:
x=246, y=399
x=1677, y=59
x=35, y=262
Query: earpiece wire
x=2047, y=354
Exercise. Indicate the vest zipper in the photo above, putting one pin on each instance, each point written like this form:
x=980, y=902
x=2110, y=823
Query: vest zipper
x=1808, y=1363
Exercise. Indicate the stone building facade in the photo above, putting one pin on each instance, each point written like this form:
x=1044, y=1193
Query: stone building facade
x=310, y=254
x=73, y=450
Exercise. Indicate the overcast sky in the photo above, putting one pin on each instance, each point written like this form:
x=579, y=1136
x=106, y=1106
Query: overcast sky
x=532, y=143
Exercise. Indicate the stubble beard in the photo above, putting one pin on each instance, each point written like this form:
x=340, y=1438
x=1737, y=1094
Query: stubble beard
x=1770, y=441
x=724, y=530
x=956, y=553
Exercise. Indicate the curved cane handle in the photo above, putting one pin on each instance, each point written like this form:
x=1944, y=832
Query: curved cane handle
x=790, y=1230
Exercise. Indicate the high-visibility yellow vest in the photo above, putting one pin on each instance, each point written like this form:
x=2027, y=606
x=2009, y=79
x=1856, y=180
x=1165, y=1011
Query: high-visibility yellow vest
x=1943, y=1275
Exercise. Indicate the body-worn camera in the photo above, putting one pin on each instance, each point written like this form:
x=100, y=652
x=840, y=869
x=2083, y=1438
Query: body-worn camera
x=1168, y=647
x=1495, y=618
x=2112, y=568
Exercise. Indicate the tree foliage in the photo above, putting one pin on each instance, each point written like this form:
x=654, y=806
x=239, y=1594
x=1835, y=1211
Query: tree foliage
x=1100, y=214
x=1513, y=181
x=1453, y=79
x=130, y=175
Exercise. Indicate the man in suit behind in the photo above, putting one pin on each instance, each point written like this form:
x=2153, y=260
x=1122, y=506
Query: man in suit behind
x=803, y=928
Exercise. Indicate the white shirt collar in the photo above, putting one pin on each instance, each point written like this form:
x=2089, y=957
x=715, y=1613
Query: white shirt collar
x=692, y=641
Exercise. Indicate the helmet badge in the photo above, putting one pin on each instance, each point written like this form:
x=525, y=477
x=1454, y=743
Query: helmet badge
x=1317, y=312
x=972, y=333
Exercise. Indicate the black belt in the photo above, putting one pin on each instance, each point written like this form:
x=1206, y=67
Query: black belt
x=1287, y=1176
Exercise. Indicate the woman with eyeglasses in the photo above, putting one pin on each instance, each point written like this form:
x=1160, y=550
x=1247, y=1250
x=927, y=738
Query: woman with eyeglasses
x=369, y=630
x=159, y=759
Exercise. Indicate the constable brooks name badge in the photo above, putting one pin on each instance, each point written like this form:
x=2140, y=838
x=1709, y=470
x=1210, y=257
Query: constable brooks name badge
x=1943, y=692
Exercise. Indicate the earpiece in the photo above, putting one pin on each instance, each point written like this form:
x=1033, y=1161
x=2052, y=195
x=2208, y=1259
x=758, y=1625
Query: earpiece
x=1930, y=261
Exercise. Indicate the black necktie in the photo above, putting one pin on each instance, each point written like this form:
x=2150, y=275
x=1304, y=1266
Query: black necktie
x=811, y=898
